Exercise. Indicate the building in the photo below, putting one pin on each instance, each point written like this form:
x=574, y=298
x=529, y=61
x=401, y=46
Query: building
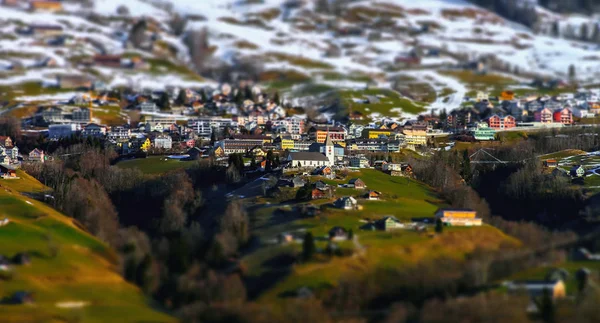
x=358, y=162
x=502, y=123
x=537, y=288
x=286, y=144
x=337, y=135
x=550, y=163
x=292, y=125
x=6, y=142
x=577, y=171
x=415, y=135
x=239, y=146
x=543, y=115
x=376, y=133
x=346, y=203
x=373, y=195
x=45, y=5
x=564, y=116
x=458, y=217
x=356, y=183
x=37, y=155
x=93, y=130
x=163, y=142
x=45, y=30
x=302, y=145
x=148, y=107
x=62, y=130
x=308, y=159
x=119, y=132
x=74, y=82
x=484, y=132
x=80, y=115
x=204, y=127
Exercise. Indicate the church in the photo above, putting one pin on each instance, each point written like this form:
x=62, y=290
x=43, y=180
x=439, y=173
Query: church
x=314, y=159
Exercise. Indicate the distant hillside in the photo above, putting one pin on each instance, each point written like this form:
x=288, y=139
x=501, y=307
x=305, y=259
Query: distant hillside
x=72, y=276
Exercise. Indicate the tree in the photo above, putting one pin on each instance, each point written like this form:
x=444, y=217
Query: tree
x=555, y=29
x=443, y=116
x=181, y=98
x=596, y=34
x=572, y=72
x=178, y=24
x=276, y=98
x=253, y=162
x=213, y=137
x=123, y=10
x=304, y=193
x=163, y=101
x=235, y=222
x=466, y=172
x=546, y=307
x=350, y=234
x=197, y=42
x=582, y=279
x=583, y=32
x=439, y=226
x=308, y=247
x=137, y=35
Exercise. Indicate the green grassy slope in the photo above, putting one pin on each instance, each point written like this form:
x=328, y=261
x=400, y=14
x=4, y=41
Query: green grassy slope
x=155, y=164
x=69, y=267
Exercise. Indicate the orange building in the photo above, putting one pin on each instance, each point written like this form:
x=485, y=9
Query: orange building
x=507, y=96
x=337, y=135
x=51, y=6
x=458, y=217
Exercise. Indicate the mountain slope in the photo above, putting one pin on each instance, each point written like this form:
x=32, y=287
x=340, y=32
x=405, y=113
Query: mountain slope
x=72, y=275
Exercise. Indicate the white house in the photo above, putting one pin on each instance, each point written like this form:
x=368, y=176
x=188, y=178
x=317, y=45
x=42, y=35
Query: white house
x=62, y=130
x=308, y=159
x=164, y=142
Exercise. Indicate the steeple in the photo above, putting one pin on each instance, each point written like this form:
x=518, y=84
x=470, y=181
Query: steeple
x=329, y=149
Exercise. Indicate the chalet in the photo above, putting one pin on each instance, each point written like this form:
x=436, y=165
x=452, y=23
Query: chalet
x=190, y=143
x=346, y=203
x=163, y=142
x=507, y=96
x=337, y=135
x=458, y=217
x=308, y=159
x=37, y=155
x=378, y=164
x=564, y=116
x=6, y=142
x=543, y=115
x=74, y=82
x=7, y=172
x=502, y=123
x=537, y=288
x=356, y=183
x=389, y=223
x=318, y=194
x=320, y=185
x=550, y=163
x=358, y=162
x=258, y=151
x=297, y=182
x=372, y=195
x=577, y=171
x=323, y=171
x=45, y=5
x=107, y=60
x=195, y=153
x=45, y=30
x=338, y=233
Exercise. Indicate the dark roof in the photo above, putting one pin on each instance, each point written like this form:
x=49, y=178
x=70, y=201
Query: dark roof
x=354, y=180
x=308, y=156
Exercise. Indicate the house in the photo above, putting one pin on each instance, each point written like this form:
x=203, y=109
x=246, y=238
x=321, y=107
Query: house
x=502, y=123
x=577, y=171
x=320, y=185
x=297, y=182
x=6, y=142
x=45, y=5
x=285, y=237
x=308, y=159
x=74, y=82
x=389, y=223
x=564, y=116
x=338, y=233
x=543, y=115
x=507, y=96
x=62, y=130
x=145, y=145
x=318, y=194
x=194, y=153
x=550, y=163
x=163, y=142
x=324, y=171
x=356, y=183
x=148, y=107
x=320, y=134
x=258, y=151
x=346, y=203
x=373, y=195
x=7, y=172
x=458, y=217
x=20, y=297
x=93, y=130
x=358, y=162
x=44, y=30
x=37, y=155
x=537, y=288
x=190, y=143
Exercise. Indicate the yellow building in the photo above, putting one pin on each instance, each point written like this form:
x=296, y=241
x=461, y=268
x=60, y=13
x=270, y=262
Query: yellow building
x=376, y=133
x=146, y=145
x=415, y=137
x=458, y=217
x=287, y=144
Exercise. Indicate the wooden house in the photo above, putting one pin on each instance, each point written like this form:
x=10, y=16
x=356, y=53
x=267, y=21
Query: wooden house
x=550, y=163
x=577, y=171
x=45, y=5
x=373, y=195
x=357, y=183
x=338, y=233
x=458, y=217
x=318, y=194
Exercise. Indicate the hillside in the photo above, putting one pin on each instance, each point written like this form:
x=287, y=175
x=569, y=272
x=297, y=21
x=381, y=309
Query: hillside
x=270, y=276
x=72, y=276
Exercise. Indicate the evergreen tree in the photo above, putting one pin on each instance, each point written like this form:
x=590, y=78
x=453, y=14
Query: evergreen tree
x=163, y=101
x=596, y=34
x=181, y=98
x=439, y=226
x=443, y=116
x=555, y=29
x=253, y=162
x=308, y=246
x=350, y=234
x=247, y=93
x=583, y=32
x=213, y=137
x=276, y=98
x=203, y=97
x=572, y=72
x=546, y=308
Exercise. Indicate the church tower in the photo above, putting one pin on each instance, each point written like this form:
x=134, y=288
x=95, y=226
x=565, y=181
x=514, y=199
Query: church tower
x=329, y=150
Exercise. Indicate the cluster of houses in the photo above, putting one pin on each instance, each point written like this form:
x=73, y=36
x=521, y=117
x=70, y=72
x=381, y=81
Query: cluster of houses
x=484, y=115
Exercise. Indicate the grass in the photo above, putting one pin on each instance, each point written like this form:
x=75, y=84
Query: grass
x=297, y=60
x=109, y=115
x=67, y=264
x=398, y=249
x=388, y=100
x=156, y=164
x=562, y=154
x=162, y=66
x=25, y=184
x=10, y=92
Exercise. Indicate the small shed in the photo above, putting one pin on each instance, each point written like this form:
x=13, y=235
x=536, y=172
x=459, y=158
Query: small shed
x=338, y=233
x=357, y=183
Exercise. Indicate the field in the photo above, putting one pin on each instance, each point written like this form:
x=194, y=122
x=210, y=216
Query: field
x=383, y=102
x=155, y=164
x=25, y=184
x=403, y=198
x=590, y=161
x=73, y=277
